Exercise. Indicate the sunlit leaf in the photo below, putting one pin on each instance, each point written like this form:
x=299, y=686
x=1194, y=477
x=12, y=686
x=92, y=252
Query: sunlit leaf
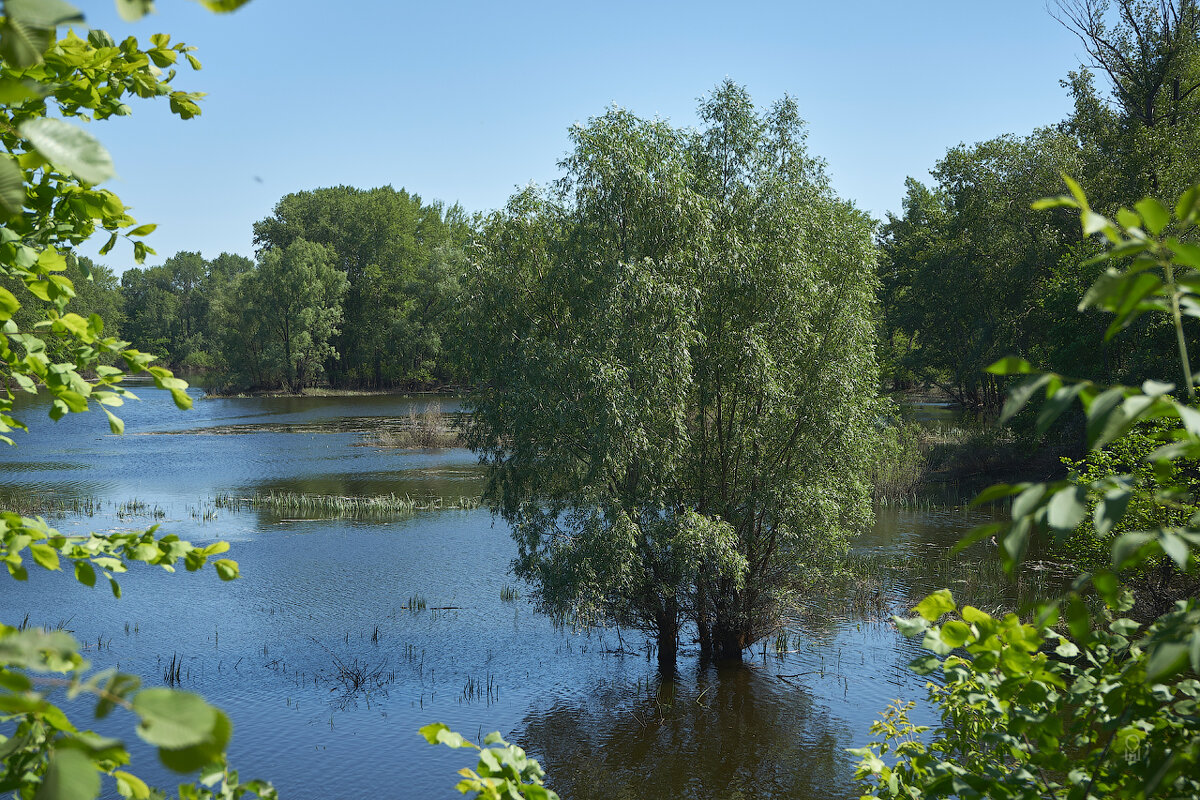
x=69, y=147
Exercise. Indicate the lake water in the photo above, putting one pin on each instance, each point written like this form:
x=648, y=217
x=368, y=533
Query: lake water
x=319, y=593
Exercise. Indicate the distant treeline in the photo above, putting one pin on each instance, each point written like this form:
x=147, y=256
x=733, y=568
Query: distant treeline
x=971, y=273
x=361, y=288
x=353, y=287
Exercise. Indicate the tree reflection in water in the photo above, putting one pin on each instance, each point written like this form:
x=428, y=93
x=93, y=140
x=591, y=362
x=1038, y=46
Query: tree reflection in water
x=729, y=733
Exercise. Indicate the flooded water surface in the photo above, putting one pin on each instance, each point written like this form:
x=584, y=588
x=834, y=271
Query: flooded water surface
x=344, y=636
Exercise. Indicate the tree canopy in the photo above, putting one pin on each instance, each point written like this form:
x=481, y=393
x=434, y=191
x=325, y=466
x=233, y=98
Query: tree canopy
x=675, y=372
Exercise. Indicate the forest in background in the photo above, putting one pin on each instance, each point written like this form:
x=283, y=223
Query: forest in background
x=968, y=271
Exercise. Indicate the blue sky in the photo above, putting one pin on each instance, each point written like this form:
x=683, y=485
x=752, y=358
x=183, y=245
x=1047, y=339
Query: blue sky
x=465, y=101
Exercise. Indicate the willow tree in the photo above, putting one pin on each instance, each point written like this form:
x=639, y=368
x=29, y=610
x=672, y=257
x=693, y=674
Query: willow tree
x=673, y=350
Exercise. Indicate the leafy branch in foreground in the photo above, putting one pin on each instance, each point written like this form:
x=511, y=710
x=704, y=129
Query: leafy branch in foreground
x=1111, y=710
x=49, y=202
x=504, y=772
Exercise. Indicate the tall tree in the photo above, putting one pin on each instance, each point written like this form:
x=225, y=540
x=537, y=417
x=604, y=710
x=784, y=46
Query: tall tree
x=380, y=238
x=299, y=294
x=675, y=368
x=1146, y=48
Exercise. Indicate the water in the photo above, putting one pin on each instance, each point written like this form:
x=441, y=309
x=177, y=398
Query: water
x=319, y=593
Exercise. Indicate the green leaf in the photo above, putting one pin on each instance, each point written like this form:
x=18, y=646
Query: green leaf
x=1067, y=508
x=8, y=304
x=14, y=91
x=1076, y=191
x=956, y=633
x=1028, y=500
x=910, y=627
x=1107, y=585
x=227, y=569
x=12, y=187
x=133, y=10
x=974, y=616
x=21, y=44
x=1020, y=394
x=85, y=573
x=131, y=786
x=1056, y=404
x=70, y=775
x=1173, y=546
x=1187, y=207
x=46, y=14
x=69, y=147
x=197, y=756
x=925, y=664
x=1130, y=548
x=1154, y=214
x=223, y=6
x=1110, y=509
x=108, y=246
x=431, y=731
x=115, y=423
x=935, y=605
x=1098, y=223
x=1010, y=365
x=1166, y=659
x=45, y=555
x=173, y=719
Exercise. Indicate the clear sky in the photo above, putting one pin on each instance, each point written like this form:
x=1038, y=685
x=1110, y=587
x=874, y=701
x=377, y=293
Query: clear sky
x=465, y=101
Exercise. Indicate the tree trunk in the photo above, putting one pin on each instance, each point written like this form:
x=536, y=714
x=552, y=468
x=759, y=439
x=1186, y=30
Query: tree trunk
x=730, y=643
x=667, y=623
x=703, y=624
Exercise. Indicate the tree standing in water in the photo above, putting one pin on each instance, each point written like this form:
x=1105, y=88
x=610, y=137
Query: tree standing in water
x=676, y=373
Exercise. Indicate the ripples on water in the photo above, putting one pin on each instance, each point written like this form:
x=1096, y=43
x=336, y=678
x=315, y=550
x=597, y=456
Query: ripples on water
x=316, y=593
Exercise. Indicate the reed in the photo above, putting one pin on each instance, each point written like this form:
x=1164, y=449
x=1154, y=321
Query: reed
x=137, y=508
x=324, y=506
x=423, y=430
x=509, y=594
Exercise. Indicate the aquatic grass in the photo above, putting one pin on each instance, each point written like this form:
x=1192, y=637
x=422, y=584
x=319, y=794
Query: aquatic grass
x=509, y=594
x=32, y=503
x=137, y=508
x=901, y=462
x=323, y=506
x=423, y=430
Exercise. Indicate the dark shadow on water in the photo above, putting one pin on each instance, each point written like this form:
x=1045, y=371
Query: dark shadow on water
x=731, y=732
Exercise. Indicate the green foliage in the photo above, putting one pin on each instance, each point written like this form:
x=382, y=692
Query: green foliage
x=1028, y=713
x=1145, y=509
x=504, y=772
x=1111, y=712
x=675, y=372
x=971, y=274
x=403, y=261
x=48, y=203
x=169, y=308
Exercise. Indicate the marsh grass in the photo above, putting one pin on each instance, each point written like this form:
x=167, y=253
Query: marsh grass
x=31, y=503
x=901, y=464
x=323, y=506
x=423, y=430
x=877, y=584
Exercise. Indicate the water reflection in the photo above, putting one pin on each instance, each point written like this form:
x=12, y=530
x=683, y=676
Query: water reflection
x=735, y=732
x=319, y=592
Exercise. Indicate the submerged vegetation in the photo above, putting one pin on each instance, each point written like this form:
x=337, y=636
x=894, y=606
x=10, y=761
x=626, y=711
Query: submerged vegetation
x=427, y=429
x=325, y=506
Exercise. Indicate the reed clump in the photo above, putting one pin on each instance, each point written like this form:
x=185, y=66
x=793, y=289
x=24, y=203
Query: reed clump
x=423, y=430
x=325, y=506
x=901, y=464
